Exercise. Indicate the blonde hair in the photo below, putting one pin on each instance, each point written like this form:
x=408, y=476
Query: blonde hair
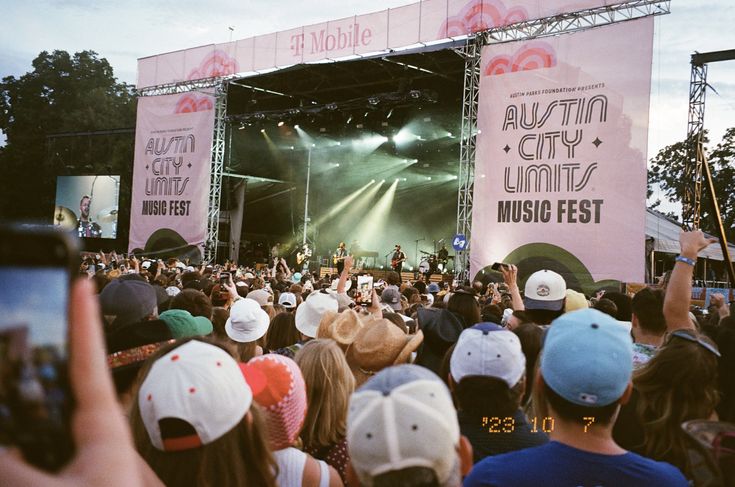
x=329, y=383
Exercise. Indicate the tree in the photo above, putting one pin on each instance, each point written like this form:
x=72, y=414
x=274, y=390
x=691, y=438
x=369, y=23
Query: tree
x=667, y=172
x=63, y=93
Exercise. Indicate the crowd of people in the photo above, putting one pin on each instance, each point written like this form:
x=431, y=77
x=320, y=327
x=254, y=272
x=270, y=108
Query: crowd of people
x=225, y=376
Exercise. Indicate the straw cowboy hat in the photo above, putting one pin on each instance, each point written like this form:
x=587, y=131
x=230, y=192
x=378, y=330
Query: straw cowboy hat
x=342, y=327
x=377, y=345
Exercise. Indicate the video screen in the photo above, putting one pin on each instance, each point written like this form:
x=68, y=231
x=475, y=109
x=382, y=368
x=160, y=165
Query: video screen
x=88, y=204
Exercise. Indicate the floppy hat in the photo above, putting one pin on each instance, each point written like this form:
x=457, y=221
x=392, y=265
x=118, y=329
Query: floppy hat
x=342, y=327
x=198, y=384
x=377, y=345
x=310, y=312
x=247, y=322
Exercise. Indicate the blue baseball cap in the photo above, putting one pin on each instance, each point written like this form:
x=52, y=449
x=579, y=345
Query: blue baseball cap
x=587, y=358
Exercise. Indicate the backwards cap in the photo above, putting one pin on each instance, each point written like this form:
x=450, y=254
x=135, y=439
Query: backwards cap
x=587, y=358
x=402, y=417
x=199, y=384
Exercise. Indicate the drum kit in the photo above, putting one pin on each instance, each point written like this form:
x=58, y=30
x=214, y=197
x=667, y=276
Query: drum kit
x=430, y=264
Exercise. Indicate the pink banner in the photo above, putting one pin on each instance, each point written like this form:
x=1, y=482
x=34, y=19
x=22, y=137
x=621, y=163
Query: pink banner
x=173, y=141
x=560, y=177
x=425, y=22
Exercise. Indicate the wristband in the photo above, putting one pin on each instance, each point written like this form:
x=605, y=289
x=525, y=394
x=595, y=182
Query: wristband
x=686, y=260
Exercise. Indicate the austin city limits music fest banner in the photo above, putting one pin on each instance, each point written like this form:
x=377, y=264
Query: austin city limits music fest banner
x=560, y=178
x=173, y=141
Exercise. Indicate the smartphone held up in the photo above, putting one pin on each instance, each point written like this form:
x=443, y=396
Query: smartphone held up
x=35, y=398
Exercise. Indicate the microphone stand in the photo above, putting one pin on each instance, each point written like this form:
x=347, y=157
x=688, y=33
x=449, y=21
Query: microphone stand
x=417, y=250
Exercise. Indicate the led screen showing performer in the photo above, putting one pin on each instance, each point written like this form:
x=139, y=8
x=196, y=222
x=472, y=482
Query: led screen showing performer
x=88, y=204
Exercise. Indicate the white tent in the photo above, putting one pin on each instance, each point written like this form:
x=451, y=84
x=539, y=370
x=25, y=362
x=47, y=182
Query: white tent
x=665, y=234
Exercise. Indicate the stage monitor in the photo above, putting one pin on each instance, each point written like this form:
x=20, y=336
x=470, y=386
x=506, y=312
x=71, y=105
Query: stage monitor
x=88, y=204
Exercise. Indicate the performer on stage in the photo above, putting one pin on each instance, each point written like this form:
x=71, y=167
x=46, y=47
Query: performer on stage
x=396, y=262
x=302, y=257
x=87, y=228
x=443, y=258
x=339, y=257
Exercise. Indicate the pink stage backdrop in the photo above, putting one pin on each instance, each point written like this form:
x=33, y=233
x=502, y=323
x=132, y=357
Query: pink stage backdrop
x=173, y=142
x=415, y=24
x=560, y=178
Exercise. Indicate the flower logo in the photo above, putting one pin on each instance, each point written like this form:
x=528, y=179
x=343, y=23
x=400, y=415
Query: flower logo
x=532, y=55
x=479, y=15
x=191, y=102
x=217, y=63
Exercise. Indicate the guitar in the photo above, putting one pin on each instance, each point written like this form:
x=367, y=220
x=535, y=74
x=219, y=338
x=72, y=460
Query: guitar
x=300, y=258
x=336, y=259
x=394, y=262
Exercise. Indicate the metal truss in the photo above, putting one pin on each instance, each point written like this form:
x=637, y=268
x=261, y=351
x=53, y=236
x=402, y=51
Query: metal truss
x=692, y=204
x=185, y=86
x=467, y=148
x=575, y=21
x=532, y=29
x=217, y=165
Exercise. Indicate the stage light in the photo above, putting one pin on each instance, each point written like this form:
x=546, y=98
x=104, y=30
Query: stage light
x=336, y=164
x=372, y=180
x=371, y=229
x=455, y=177
x=293, y=148
x=241, y=127
x=449, y=134
x=349, y=119
x=280, y=124
x=428, y=178
x=296, y=126
x=359, y=125
x=390, y=113
x=404, y=136
x=262, y=131
x=313, y=145
x=482, y=175
x=339, y=143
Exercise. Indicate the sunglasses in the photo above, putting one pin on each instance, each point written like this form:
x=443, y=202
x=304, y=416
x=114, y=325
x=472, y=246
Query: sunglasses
x=691, y=338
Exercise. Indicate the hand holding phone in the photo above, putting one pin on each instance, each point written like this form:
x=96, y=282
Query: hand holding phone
x=364, y=291
x=105, y=453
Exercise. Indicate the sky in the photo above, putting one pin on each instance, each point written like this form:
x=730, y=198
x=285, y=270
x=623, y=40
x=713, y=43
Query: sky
x=122, y=32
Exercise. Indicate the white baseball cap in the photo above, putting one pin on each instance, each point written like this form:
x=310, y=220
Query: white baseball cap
x=287, y=300
x=402, y=417
x=247, y=322
x=310, y=313
x=488, y=350
x=545, y=289
x=197, y=383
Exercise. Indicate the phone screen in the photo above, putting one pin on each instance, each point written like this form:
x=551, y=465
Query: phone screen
x=364, y=291
x=35, y=398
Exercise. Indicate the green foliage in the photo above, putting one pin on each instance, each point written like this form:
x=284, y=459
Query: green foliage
x=63, y=93
x=666, y=171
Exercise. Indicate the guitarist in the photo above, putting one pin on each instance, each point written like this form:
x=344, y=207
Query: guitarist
x=396, y=262
x=339, y=257
x=303, y=256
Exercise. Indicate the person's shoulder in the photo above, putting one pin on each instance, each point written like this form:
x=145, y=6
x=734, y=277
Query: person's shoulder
x=502, y=469
x=657, y=473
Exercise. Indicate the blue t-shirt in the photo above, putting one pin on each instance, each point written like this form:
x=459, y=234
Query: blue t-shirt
x=556, y=464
